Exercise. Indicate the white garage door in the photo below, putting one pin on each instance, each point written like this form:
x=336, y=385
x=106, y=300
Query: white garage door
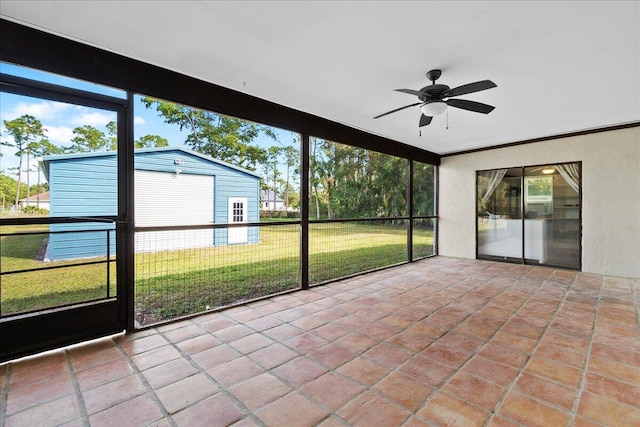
x=169, y=199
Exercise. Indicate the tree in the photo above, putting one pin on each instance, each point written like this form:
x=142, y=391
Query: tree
x=292, y=161
x=89, y=139
x=112, y=131
x=271, y=170
x=26, y=131
x=221, y=137
x=149, y=141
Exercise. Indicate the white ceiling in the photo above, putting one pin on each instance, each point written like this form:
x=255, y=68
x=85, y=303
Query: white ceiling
x=559, y=66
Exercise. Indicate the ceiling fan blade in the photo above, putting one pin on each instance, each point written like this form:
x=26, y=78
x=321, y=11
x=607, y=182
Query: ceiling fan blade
x=416, y=93
x=424, y=120
x=469, y=88
x=474, y=106
x=397, y=109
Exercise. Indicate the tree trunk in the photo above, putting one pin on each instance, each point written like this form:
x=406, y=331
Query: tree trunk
x=17, y=206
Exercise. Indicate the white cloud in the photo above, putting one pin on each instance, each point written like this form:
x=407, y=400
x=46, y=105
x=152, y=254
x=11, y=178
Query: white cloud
x=138, y=120
x=93, y=119
x=45, y=110
x=59, y=134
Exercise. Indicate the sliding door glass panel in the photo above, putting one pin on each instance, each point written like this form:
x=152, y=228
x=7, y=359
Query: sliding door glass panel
x=563, y=246
x=499, y=215
x=538, y=204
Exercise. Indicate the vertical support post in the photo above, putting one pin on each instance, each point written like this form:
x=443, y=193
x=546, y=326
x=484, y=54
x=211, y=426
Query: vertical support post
x=108, y=263
x=522, y=208
x=410, y=210
x=124, y=226
x=304, y=211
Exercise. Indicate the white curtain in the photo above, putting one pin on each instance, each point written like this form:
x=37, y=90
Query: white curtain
x=495, y=177
x=571, y=173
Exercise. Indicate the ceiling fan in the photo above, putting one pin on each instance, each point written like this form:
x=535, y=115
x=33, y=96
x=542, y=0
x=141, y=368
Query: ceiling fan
x=432, y=98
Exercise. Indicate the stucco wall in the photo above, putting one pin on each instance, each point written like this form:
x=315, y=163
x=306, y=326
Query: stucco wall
x=610, y=188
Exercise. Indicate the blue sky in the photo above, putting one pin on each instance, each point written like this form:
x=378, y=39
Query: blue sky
x=59, y=119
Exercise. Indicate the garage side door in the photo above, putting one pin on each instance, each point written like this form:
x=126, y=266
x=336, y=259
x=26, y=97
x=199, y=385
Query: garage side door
x=169, y=199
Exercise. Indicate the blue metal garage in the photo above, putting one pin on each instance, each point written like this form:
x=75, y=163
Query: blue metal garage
x=174, y=186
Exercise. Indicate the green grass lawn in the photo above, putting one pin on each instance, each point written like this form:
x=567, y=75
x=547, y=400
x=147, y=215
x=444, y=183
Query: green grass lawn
x=175, y=283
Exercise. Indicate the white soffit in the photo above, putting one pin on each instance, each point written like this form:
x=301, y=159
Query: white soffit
x=560, y=66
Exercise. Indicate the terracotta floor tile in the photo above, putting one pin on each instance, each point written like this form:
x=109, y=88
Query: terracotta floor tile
x=101, y=374
x=619, y=353
x=215, y=356
x=363, y=371
x=522, y=344
x=143, y=344
x=215, y=411
x=530, y=412
x=186, y=392
x=308, y=323
x=113, y=393
x=183, y=333
x=214, y=323
x=291, y=410
x=51, y=413
x=155, y=357
x=273, y=355
x=551, y=370
x=371, y=410
x=500, y=421
x=617, y=390
x=232, y=333
x=491, y=370
x=427, y=330
x=259, y=391
x=357, y=342
x=38, y=393
x=332, y=390
x=561, y=354
x=94, y=354
x=300, y=371
x=388, y=355
x=474, y=390
x=198, y=344
x=139, y=411
x=251, y=343
x=306, y=343
x=235, y=371
x=542, y=389
x=447, y=410
x=167, y=373
x=404, y=390
x=282, y=332
x=330, y=332
x=262, y=323
x=331, y=355
x=33, y=370
x=608, y=411
x=445, y=354
x=378, y=331
x=427, y=370
x=615, y=370
x=504, y=355
x=412, y=342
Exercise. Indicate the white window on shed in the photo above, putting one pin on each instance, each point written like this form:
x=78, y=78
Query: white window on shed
x=170, y=199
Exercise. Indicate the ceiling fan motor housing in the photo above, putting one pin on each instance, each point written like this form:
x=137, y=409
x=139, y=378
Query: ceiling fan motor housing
x=434, y=92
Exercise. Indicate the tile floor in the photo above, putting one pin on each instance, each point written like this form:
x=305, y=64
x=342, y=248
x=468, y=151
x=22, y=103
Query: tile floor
x=443, y=341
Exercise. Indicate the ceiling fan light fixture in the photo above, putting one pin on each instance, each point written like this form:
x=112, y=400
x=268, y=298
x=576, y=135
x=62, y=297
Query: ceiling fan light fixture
x=548, y=171
x=433, y=108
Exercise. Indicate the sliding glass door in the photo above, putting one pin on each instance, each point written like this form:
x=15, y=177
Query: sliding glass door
x=530, y=214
